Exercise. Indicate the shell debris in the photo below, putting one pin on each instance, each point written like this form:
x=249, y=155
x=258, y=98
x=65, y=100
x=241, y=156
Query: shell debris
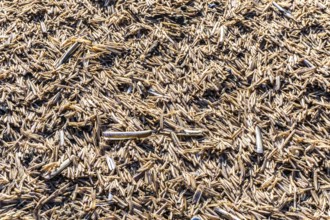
x=111, y=163
x=259, y=145
x=164, y=109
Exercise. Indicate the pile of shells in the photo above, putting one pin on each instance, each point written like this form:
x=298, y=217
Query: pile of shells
x=164, y=109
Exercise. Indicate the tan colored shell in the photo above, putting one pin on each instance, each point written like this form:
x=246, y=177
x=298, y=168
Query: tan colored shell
x=148, y=109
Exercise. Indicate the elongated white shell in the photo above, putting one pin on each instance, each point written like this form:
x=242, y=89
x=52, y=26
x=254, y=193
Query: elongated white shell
x=61, y=138
x=260, y=148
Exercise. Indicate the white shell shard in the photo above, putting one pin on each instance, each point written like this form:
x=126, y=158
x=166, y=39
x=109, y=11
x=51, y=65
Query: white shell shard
x=118, y=135
x=61, y=138
x=111, y=163
x=260, y=148
x=110, y=197
x=223, y=30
